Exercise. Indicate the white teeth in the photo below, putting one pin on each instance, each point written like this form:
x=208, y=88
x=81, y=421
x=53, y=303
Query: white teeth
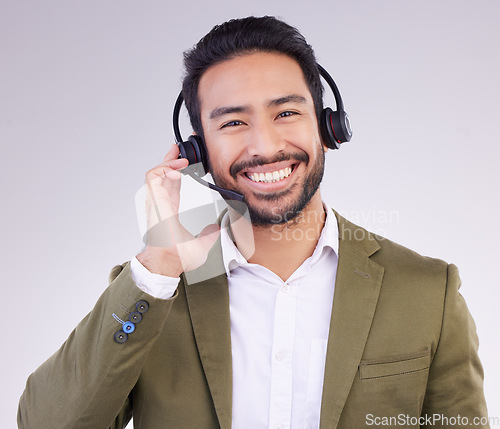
x=269, y=177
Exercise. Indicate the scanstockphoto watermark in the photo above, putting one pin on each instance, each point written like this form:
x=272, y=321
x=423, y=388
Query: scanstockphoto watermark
x=377, y=220
x=431, y=421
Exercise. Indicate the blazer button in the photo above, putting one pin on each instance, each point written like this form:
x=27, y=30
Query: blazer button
x=135, y=317
x=128, y=327
x=120, y=337
x=142, y=306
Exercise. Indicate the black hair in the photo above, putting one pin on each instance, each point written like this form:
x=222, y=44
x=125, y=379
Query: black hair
x=243, y=36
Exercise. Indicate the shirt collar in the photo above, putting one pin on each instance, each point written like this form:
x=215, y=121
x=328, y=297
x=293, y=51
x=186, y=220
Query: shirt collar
x=233, y=258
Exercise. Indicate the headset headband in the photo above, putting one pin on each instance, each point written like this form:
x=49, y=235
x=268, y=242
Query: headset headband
x=326, y=76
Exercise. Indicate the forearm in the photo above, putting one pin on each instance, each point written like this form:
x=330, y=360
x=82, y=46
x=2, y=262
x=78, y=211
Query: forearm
x=87, y=381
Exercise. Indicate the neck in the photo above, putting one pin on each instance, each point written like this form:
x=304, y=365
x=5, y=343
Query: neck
x=281, y=248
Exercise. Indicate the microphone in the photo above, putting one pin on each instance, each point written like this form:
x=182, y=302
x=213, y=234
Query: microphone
x=225, y=193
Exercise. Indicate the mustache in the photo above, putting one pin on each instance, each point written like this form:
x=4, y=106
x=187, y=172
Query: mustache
x=255, y=162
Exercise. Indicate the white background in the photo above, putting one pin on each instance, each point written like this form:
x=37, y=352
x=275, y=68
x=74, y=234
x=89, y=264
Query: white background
x=87, y=90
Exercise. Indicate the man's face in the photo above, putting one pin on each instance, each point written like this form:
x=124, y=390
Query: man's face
x=262, y=135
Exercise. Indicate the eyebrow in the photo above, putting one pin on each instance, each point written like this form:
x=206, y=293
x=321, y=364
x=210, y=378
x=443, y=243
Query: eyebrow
x=226, y=110
x=292, y=98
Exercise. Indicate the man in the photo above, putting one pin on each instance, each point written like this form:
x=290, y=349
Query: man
x=314, y=322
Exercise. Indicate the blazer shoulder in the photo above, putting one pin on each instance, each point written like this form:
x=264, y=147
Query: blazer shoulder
x=422, y=279
x=386, y=252
x=392, y=253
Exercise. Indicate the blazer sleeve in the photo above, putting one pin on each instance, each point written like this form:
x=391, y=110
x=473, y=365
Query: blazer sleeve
x=455, y=384
x=87, y=382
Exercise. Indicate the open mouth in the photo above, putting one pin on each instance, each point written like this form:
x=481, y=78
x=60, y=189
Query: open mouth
x=270, y=176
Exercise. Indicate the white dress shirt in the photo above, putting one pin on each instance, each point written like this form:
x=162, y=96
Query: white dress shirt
x=279, y=332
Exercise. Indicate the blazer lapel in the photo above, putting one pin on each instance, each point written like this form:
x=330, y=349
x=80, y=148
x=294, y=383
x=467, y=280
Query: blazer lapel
x=208, y=301
x=357, y=287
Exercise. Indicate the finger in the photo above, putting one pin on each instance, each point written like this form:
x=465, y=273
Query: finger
x=208, y=236
x=167, y=233
x=173, y=153
x=174, y=164
x=210, y=229
x=171, y=169
x=167, y=170
x=194, y=253
x=163, y=187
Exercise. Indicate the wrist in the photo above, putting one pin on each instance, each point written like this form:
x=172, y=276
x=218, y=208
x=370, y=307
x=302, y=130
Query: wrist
x=159, y=260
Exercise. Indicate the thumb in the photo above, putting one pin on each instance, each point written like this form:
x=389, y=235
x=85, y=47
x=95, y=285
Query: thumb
x=194, y=253
x=208, y=236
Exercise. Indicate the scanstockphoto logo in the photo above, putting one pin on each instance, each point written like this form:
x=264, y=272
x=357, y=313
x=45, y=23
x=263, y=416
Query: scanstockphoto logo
x=436, y=421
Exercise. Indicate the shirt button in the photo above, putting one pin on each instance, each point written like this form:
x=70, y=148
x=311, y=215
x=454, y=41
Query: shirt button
x=281, y=355
x=286, y=288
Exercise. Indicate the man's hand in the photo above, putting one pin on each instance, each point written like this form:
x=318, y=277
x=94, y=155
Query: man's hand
x=171, y=249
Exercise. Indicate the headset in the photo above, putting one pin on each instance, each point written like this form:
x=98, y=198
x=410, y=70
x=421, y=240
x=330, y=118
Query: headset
x=335, y=129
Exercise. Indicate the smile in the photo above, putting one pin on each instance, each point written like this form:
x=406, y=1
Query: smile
x=270, y=176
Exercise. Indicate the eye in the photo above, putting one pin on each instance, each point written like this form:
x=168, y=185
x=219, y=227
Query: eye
x=231, y=124
x=287, y=113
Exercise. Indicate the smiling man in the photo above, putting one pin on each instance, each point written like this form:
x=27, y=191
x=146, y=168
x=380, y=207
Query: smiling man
x=259, y=122
x=314, y=322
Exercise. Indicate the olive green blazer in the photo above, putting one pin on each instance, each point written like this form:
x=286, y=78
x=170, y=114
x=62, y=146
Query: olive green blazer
x=402, y=345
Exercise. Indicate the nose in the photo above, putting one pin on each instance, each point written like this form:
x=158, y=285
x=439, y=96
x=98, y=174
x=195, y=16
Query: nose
x=264, y=140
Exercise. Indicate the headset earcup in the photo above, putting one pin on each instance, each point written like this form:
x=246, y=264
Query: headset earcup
x=335, y=127
x=327, y=130
x=194, y=151
x=341, y=126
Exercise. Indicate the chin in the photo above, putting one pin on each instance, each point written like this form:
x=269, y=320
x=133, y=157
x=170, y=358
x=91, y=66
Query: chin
x=282, y=207
x=280, y=214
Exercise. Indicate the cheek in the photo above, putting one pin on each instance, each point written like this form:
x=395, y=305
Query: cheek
x=222, y=155
x=307, y=139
